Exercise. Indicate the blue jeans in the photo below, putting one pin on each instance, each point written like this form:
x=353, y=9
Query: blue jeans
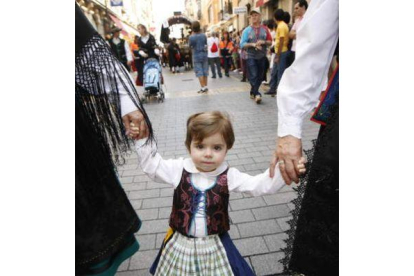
x=215, y=62
x=255, y=68
x=278, y=70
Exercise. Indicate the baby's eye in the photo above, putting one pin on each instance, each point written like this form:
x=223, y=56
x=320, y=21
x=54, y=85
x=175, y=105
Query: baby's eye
x=217, y=148
x=199, y=146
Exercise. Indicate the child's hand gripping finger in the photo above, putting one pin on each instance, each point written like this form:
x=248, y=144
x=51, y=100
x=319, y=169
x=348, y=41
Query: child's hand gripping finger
x=301, y=165
x=134, y=130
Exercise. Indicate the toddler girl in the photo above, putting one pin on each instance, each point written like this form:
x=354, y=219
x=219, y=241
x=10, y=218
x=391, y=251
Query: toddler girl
x=197, y=242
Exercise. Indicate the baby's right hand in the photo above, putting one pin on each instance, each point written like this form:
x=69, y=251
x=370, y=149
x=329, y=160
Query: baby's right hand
x=134, y=130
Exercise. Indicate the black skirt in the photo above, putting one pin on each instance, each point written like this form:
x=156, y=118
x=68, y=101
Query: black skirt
x=313, y=243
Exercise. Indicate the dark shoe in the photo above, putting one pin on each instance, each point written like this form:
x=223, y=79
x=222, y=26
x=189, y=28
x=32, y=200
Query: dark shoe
x=227, y=75
x=220, y=76
x=213, y=77
x=243, y=80
x=205, y=90
x=270, y=93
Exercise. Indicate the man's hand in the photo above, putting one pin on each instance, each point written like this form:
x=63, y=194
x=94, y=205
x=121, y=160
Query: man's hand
x=276, y=60
x=288, y=153
x=135, y=119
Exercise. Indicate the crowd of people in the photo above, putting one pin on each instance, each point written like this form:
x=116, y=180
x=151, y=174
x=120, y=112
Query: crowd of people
x=251, y=52
x=254, y=52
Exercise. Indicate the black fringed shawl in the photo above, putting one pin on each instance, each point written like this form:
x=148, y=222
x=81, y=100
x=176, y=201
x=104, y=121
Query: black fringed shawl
x=105, y=219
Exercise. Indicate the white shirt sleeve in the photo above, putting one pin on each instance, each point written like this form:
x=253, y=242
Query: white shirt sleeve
x=302, y=83
x=257, y=185
x=128, y=52
x=156, y=168
x=127, y=105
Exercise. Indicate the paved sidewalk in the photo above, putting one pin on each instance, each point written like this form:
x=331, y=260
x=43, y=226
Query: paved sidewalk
x=258, y=224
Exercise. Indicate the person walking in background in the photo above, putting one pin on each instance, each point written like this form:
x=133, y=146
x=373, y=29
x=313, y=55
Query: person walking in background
x=299, y=12
x=121, y=48
x=174, y=55
x=243, y=58
x=134, y=49
x=281, y=52
x=198, y=44
x=270, y=25
x=164, y=57
x=214, y=55
x=235, y=53
x=255, y=39
x=271, y=53
x=226, y=48
x=147, y=49
x=286, y=18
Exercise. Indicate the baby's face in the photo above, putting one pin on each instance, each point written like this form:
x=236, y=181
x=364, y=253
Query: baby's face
x=208, y=154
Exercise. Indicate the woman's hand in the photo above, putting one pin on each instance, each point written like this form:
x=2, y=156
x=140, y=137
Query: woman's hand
x=288, y=153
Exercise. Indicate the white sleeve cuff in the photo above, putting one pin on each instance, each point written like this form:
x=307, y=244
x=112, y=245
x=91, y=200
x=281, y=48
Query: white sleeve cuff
x=289, y=126
x=139, y=143
x=127, y=105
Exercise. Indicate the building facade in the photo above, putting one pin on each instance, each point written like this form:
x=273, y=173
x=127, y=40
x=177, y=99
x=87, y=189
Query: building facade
x=104, y=16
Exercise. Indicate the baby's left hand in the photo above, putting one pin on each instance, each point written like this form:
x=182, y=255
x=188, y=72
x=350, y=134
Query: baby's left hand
x=301, y=165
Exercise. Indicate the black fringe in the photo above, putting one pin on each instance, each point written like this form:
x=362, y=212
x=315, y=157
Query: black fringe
x=98, y=75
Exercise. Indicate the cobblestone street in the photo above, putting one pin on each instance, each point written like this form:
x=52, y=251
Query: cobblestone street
x=258, y=224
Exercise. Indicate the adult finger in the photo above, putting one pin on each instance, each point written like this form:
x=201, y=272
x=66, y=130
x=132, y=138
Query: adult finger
x=273, y=165
x=126, y=122
x=290, y=170
x=285, y=176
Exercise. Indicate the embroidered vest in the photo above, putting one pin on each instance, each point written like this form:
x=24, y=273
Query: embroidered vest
x=252, y=38
x=187, y=197
x=119, y=50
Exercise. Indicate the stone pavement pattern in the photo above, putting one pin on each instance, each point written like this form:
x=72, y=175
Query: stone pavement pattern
x=258, y=223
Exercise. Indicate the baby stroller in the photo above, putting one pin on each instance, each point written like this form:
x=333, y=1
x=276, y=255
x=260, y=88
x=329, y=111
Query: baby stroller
x=152, y=80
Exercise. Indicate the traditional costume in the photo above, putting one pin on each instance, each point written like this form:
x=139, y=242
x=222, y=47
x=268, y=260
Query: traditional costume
x=120, y=49
x=104, y=92
x=147, y=45
x=313, y=244
x=198, y=242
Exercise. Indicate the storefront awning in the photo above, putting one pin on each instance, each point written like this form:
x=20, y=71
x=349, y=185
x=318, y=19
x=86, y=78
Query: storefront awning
x=260, y=3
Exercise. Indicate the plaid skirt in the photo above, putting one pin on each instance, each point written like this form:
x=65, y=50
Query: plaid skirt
x=183, y=256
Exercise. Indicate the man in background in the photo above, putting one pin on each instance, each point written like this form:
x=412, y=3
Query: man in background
x=281, y=51
x=121, y=49
x=255, y=39
x=299, y=12
x=214, y=55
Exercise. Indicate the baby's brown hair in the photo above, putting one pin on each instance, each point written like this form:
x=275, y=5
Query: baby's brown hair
x=205, y=124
